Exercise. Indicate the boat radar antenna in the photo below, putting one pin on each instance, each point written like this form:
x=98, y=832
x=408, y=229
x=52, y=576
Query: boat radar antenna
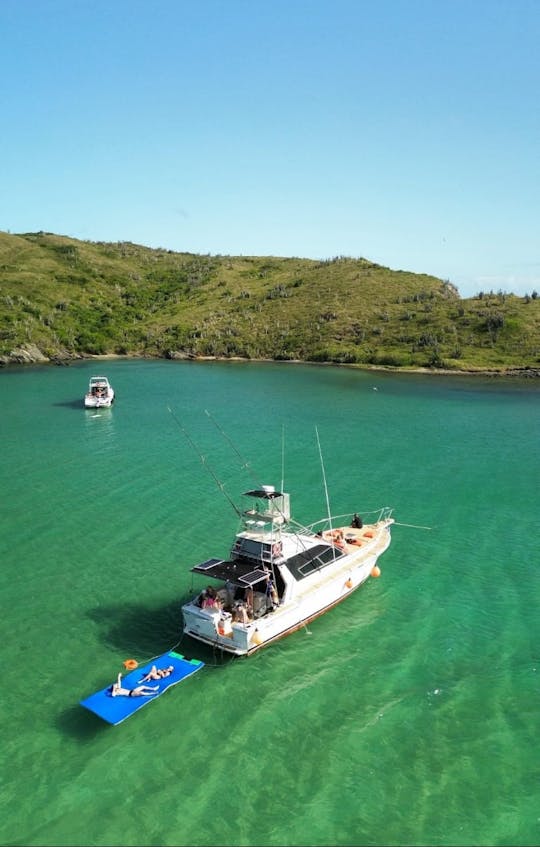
x=324, y=480
x=218, y=482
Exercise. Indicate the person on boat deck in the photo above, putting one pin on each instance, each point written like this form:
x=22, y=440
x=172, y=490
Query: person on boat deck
x=209, y=602
x=241, y=612
x=356, y=522
x=157, y=673
x=139, y=691
x=204, y=597
x=230, y=590
x=271, y=593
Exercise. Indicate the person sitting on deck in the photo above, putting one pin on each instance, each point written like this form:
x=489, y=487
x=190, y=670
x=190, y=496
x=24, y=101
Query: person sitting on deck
x=157, y=673
x=210, y=599
x=139, y=691
x=356, y=522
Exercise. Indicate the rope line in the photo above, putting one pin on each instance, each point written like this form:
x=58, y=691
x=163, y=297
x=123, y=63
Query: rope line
x=412, y=525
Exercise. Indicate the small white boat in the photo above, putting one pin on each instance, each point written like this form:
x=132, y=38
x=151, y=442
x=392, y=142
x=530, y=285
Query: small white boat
x=281, y=575
x=100, y=393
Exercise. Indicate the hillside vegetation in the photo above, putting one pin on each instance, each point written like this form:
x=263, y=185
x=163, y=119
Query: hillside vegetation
x=61, y=298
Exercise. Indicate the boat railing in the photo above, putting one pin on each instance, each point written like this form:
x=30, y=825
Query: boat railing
x=372, y=517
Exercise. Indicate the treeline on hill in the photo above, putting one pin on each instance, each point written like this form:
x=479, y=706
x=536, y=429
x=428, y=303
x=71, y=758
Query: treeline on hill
x=67, y=298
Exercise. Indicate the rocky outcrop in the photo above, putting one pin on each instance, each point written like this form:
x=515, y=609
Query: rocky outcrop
x=178, y=354
x=533, y=373
x=30, y=354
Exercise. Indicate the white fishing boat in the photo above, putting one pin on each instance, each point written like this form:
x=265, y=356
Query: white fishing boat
x=281, y=575
x=100, y=393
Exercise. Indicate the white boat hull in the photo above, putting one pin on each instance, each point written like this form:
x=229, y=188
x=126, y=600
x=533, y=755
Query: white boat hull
x=91, y=402
x=306, y=600
x=100, y=394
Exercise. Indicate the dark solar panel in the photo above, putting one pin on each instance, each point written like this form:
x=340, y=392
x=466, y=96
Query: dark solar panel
x=210, y=563
x=253, y=577
x=303, y=564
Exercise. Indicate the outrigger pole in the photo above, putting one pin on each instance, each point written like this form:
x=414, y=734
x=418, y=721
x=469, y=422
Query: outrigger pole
x=245, y=464
x=219, y=484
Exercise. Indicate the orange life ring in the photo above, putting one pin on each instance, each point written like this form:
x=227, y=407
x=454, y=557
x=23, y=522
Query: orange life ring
x=130, y=664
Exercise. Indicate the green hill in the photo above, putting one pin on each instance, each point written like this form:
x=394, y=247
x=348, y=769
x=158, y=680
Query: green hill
x=62, y=298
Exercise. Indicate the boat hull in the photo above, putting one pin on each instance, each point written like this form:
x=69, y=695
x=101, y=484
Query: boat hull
x=98, y=402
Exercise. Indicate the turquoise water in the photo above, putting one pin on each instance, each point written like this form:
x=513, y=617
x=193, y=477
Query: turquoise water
x=407, y=715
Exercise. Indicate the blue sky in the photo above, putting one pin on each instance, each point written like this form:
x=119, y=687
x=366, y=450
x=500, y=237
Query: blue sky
x=407, y=133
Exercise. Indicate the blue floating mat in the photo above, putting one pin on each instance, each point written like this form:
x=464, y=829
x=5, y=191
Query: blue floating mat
x=114, y=710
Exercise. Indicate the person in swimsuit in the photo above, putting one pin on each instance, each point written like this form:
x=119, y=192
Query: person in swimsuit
x=157, y=673
x=139, y=691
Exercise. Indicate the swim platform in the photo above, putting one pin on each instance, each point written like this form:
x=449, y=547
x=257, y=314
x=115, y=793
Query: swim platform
x=114, y=710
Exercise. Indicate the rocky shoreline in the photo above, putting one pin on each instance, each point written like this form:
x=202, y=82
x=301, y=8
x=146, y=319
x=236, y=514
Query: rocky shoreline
x=30, y=354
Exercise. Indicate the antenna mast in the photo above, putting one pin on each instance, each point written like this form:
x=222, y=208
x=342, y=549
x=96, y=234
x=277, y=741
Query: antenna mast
x=324, y=480
x=282, y=457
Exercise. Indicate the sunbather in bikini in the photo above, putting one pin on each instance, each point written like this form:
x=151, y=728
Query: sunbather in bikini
x=157, y=673
x=139, y=691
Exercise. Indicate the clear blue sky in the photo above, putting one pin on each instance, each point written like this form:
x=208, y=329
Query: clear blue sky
x=407, y=133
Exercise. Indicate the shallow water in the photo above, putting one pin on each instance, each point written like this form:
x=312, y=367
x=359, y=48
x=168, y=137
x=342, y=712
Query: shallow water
x=407, y=715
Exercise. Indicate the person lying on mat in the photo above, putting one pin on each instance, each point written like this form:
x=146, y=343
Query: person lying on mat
x=157, y=673
x=138, y=691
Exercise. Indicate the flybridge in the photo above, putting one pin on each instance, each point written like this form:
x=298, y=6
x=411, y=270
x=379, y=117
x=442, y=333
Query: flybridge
x=273, y=505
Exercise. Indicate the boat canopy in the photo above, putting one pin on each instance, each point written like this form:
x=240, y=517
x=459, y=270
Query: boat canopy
x=238, y=573
x=275, y=505
x=267, y=492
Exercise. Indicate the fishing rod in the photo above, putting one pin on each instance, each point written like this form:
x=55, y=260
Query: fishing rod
x=218, y=482
x=245, y=464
